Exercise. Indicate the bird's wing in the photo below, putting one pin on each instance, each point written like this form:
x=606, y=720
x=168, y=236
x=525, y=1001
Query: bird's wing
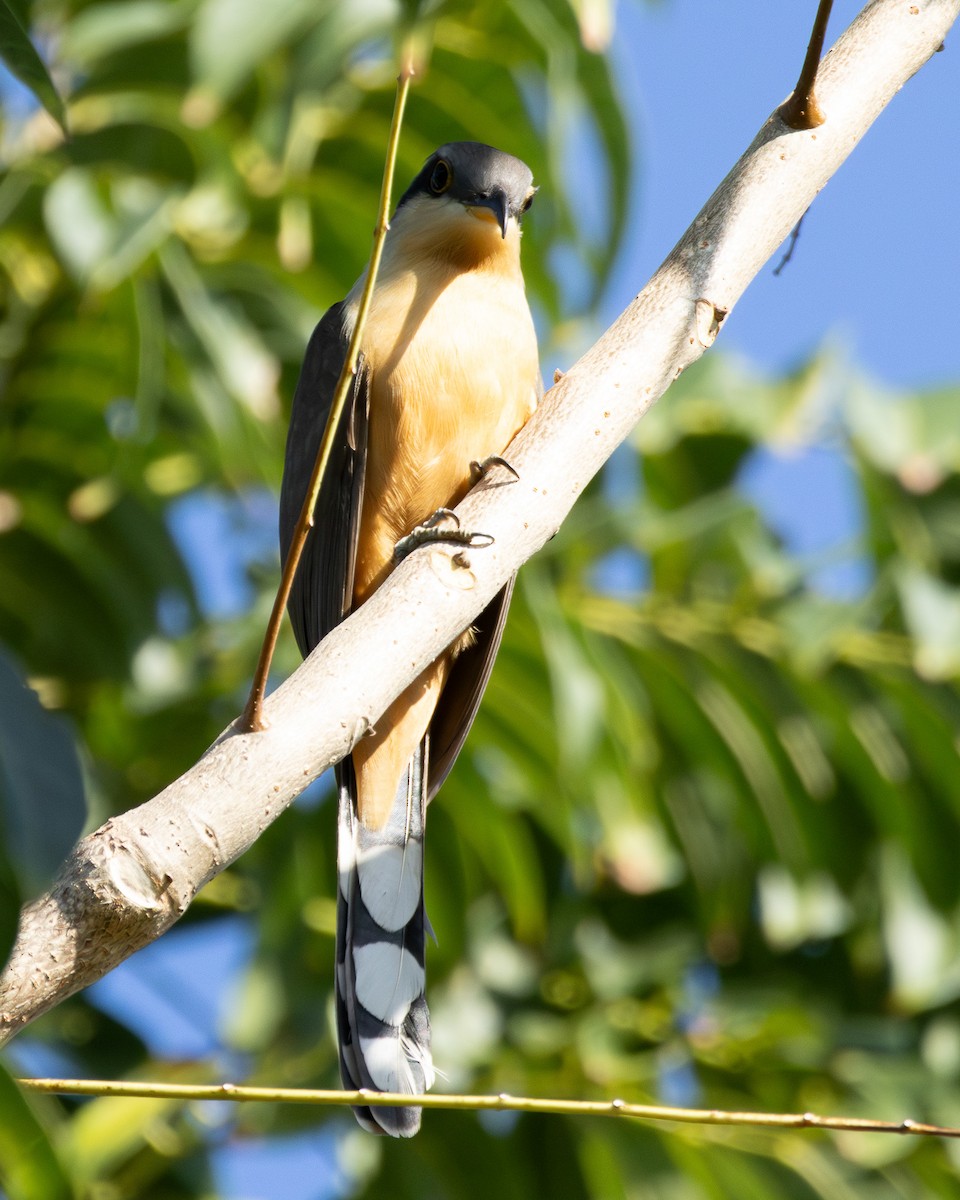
x=464, y=689
x=323, y=586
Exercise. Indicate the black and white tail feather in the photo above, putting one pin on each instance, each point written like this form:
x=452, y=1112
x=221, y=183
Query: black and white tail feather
x=382, y=1017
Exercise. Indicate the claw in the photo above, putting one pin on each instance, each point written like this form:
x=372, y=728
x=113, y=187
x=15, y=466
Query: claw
x=432, y=531
x=442, y=514
x=480, y=469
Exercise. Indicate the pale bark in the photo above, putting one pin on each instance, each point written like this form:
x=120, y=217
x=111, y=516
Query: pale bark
x=132, y=878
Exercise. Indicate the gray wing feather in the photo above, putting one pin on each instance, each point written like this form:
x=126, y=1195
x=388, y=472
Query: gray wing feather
x=323, y=585
x=464, y=689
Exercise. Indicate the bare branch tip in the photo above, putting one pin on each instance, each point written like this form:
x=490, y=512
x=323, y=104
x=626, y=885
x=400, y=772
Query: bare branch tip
x=408, y=61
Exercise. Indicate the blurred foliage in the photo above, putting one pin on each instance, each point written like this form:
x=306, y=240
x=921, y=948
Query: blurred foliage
x=701, y=845
x=21, y=58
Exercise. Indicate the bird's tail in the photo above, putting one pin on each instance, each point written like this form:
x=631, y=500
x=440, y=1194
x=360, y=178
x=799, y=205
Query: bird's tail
x=382, y=1016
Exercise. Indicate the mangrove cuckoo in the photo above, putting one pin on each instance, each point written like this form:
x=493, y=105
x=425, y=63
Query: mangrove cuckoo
x=448, y=373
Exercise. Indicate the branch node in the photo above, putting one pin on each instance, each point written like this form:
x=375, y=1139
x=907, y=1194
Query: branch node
x=709, y=318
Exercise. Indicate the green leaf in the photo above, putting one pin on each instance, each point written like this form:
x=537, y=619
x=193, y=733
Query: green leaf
x=229, y=37
x=22, y=59
x=105, y=29
x=932, y=612
x=29, y=1168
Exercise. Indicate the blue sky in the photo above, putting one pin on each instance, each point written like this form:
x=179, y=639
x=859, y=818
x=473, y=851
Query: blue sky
x=879, y=254
x=874, y=271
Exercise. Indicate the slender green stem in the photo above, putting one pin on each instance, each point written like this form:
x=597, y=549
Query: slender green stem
x=501, y=1102
x=252, y=718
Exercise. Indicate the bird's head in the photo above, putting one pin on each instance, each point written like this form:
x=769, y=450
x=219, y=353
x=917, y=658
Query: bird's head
x=468, y=196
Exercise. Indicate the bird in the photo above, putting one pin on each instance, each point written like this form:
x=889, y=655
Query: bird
x=447, y=374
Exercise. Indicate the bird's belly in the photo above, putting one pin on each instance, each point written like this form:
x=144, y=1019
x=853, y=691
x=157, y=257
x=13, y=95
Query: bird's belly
x=442, y=395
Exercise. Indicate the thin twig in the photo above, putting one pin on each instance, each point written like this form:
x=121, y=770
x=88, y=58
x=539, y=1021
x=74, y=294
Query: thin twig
x=791, y=246
x=252, y=718
x=801, y=110
x=501, y=1102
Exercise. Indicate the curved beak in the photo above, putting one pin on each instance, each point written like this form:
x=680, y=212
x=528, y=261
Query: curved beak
x=496, y=203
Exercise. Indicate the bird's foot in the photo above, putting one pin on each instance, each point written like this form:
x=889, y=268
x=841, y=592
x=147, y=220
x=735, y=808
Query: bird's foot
x=442, y=526
x=480, y=470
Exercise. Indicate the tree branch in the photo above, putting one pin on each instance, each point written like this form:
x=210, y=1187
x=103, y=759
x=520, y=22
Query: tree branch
x=127, y=882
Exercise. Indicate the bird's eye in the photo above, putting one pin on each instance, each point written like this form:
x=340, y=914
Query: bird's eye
x=440, y=177
x=528, y=201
